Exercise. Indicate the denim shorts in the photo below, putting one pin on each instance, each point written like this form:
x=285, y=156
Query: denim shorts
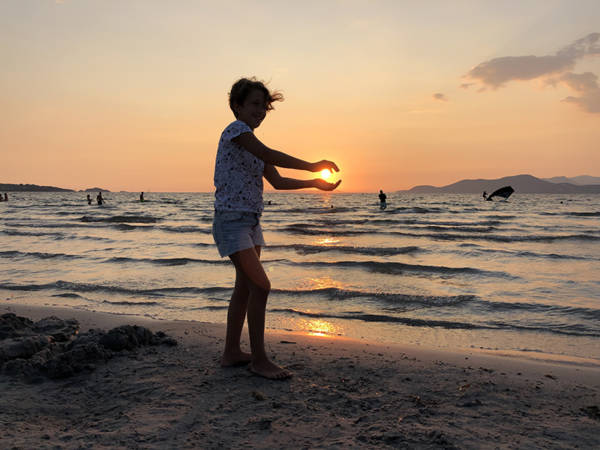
x=234, y=231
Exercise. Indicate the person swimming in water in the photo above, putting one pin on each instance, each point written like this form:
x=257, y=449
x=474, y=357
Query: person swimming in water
x=99, y=198
x=382, y=200
x=89, y=199
x=142, y=197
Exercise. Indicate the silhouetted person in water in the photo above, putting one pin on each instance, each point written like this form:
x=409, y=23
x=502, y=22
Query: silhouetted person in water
x=484, y=195
x=382, y=200
x=99, y=198
x=142, y=197
x=89, y=199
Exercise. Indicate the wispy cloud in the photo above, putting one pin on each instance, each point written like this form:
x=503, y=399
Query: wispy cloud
x=554, y=69
x=589, y=100
x=580, y=82
x=439, y=96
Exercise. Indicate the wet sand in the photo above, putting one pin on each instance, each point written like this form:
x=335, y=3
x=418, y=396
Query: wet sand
x=344, y=394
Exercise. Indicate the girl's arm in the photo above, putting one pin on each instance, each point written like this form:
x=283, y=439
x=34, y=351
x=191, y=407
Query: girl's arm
x=282, y=183
x=277, y=158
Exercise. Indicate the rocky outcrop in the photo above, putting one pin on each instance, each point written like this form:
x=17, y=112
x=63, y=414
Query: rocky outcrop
x=54, y=348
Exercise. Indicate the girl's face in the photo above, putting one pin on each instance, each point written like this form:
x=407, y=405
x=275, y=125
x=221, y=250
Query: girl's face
x=254, y=109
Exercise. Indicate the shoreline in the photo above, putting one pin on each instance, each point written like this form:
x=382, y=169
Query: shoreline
x=344, y=393
x=113, y=319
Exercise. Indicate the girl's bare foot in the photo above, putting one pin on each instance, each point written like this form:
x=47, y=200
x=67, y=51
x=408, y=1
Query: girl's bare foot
x=235, y=359
x=269, y=370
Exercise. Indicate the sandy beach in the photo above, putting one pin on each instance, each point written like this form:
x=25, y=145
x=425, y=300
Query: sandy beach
x=344, y=394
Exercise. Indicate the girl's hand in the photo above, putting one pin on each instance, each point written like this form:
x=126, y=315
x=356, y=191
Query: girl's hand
x=320, y=183
x=322, y=165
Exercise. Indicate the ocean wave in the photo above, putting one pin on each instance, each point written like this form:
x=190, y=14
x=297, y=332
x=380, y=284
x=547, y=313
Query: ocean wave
x=33, y=233
x=309, y=229
x=478, y=224
x=129, y=227
x=391, y=302
x=466, y=226
x=391, y=268
x=571, y=213
x=314, y=210
x=55, y=235
x=477, y=234
x=127, y=303
x=456, y=301
x=333, y=294
x=39, y=255
x=321, y=222
x=306, y=249
x=527, y=254
x=67, y=295
x=389, y=298
x=499, y=217
x=384, y=318
x=542, y=309
x=584, y=214
x=499, y=237
x=45, y=224
x=209, y=308
x=562, y=329
x=185, y=229
x=397, y=268
x=167, y=261
x=121, y=219
x=458, y=229
x=416, y=210
x=112, y=289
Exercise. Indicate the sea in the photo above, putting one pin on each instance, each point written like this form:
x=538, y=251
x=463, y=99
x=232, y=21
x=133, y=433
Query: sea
x=444, y=271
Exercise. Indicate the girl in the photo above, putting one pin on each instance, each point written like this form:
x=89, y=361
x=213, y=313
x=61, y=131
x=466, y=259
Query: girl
x=242, y=162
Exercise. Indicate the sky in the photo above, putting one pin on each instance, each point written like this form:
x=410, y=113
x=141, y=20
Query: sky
x=132, y=95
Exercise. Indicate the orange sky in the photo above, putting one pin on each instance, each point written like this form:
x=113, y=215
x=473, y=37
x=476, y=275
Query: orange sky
x=133, y=95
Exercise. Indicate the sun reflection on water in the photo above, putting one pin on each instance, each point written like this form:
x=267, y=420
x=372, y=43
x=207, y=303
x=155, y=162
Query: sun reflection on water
x=327, y=241
x=322, y=283
x=320, y=327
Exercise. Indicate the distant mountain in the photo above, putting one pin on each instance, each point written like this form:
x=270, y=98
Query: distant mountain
x=522, y=184
x=580, y=180
x=36, y=188
x=95, y=189
x=31, y=188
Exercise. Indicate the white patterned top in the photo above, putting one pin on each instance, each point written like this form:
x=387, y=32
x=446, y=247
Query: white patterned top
x=238, y=174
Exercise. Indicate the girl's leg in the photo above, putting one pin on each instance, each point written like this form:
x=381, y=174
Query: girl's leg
x=247, y=262
x=236, y=314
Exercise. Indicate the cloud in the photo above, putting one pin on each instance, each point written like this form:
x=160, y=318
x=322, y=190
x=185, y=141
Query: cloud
x=580, y=82
x=553, y=69
x=439, y=96
x=589, y=102
x=498, y=71
x=586, y=84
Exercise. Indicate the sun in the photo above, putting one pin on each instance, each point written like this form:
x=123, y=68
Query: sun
x=325, y=173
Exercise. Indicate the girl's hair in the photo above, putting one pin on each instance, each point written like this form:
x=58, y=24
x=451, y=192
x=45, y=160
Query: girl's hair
x=242, y=87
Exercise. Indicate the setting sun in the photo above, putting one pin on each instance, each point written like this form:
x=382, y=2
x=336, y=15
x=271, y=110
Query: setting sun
x=325, y=174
